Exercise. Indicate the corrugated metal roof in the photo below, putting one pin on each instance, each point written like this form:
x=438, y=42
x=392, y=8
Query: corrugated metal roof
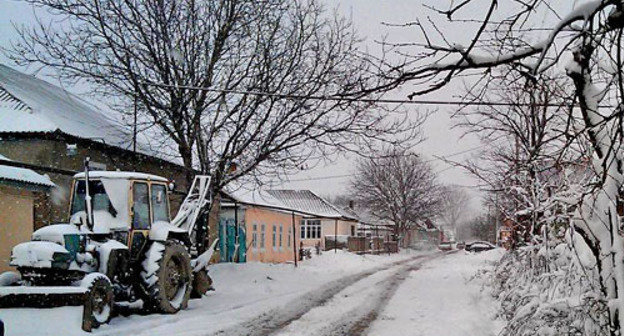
x=309, y=202
x=32, y=105
x=7, y=101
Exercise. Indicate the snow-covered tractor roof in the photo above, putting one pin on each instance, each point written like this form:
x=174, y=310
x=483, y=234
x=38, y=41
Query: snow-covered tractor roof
x=123, y=175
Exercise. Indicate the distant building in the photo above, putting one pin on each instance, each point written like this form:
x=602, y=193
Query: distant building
x=322, y=221
x=255, y=226
x=424, y=235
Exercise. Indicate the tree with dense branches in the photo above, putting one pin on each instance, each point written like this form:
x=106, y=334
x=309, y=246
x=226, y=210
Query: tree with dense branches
x=399, y=187
x=585, y=40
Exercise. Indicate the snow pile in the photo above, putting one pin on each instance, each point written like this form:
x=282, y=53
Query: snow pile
x=545, y=291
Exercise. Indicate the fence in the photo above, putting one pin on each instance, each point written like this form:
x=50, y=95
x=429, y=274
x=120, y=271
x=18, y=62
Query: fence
x=374, y=245
x=340, y=242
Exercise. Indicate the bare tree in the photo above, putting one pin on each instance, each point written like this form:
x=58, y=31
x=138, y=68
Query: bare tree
x=220, y=82
x=397, y=186
x=590, y=36
x=454, y=205
x=531, y=144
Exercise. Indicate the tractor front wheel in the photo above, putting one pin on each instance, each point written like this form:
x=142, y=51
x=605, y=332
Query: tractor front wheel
x=99, y=302
x=167, y=277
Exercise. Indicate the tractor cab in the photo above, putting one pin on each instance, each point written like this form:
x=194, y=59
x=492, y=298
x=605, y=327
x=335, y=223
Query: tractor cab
x=124, y=205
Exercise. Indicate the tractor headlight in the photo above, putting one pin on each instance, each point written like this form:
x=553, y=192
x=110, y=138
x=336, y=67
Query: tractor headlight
x=61, y=260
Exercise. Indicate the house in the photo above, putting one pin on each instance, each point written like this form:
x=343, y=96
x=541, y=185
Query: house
x=322, y=223
x=424, y=235
x=20, y=192
x=255, y=226
x=46, y=127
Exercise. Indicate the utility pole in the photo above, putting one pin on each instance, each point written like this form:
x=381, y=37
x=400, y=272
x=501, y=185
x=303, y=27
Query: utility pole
x=335, y=235
x=294, y=237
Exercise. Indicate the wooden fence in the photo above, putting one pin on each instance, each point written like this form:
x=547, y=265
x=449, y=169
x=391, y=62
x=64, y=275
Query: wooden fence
x=375, y=245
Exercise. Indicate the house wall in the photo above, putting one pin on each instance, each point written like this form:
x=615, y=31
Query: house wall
x=329, y=228
x=17, y=213
x=51, y=151
x=269, y=218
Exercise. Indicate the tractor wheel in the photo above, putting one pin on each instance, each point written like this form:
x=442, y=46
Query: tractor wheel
x=166, y=277
x=202, y=283
x=99, y=303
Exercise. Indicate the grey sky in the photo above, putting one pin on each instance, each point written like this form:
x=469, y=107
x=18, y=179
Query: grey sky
x=367, y=16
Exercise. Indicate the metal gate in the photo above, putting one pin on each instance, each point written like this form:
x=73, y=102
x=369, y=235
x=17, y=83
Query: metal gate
x=230, y=248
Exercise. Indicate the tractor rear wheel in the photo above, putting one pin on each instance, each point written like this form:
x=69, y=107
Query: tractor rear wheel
x=167, y=277
x=202, y=283
x=99, y=302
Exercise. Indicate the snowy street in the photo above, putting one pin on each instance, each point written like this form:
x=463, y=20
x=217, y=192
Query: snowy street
x=334, y=294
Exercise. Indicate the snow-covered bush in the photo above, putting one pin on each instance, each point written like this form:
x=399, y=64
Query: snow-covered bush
x=546, y=291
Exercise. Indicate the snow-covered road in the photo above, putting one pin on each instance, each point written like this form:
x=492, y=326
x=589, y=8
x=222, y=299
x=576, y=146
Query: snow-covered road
x=334, y=294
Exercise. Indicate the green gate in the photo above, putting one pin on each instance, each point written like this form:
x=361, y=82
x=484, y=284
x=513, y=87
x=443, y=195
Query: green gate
x=227, y=242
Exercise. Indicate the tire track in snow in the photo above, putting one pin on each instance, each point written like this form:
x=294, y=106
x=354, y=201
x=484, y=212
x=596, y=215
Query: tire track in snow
x=276, y=319
x=351, y=312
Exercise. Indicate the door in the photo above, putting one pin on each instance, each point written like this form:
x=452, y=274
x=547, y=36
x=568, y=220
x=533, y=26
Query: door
x=242, y=241
x=141, y=219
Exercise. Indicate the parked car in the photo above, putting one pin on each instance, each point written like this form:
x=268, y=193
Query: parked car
x=445, y=246
x=479, y=246
x=460, y=245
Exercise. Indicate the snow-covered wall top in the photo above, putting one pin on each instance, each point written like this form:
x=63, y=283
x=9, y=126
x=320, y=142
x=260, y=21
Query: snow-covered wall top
x=23, y=175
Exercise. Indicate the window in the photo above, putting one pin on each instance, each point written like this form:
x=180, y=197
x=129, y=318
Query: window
x=141, y=207
x=99, y=199
x=289, y=236
x=310, y=229
x=159, y=203
x=281, y=234
x=273, y=236
x=262, y=235
x=254, y=236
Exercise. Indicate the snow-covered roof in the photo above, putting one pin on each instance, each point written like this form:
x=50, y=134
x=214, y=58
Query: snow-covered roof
x=308, y=202
x=23, y=175
x=32, y=105
x=122, y=175
x=44, y=107
x=256, y=197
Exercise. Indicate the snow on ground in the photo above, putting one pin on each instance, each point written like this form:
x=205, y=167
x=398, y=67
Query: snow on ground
x=244, y=291
x=443, y=298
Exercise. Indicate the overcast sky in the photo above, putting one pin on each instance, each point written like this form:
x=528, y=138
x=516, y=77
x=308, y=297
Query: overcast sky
x=367, y=16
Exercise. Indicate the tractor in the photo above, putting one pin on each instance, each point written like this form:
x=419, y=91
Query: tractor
x=119, y=248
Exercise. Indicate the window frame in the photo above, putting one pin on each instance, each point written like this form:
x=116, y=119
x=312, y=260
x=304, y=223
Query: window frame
x=168, y=208
x=311, y=228
x=149, y=206
x=262, y=236
x=274, y=237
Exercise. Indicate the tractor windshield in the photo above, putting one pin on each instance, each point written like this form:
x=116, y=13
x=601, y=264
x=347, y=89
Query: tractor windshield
x=99, y=199
x=106, y=213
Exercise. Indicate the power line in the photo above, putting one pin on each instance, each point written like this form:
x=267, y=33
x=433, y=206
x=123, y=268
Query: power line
x=330, y=177
x=351, y=99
